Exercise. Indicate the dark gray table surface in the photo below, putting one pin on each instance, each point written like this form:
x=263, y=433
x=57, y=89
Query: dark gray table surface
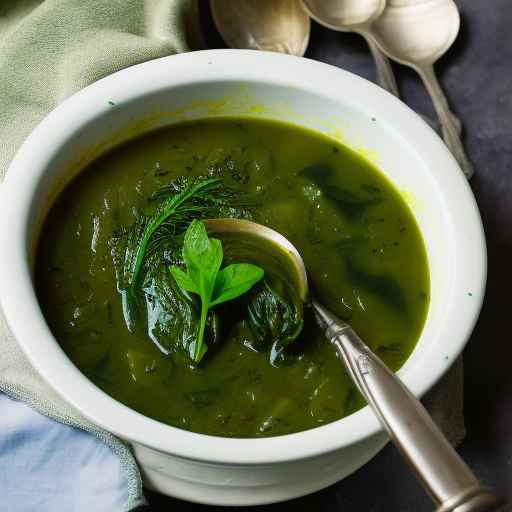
x=477, y=77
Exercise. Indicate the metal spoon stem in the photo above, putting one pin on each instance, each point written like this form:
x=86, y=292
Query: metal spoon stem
x=449, y=122
x=385, y=76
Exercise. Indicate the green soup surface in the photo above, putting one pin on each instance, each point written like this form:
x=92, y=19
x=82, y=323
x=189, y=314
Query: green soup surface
x=363, y=251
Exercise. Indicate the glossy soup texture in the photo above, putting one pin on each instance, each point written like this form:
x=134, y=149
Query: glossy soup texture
x=362, y=248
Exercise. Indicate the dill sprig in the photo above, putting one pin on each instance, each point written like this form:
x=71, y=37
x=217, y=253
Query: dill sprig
x=177, y=205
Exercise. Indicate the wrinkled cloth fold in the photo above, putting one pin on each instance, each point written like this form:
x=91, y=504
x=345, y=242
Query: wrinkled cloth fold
x=37, y=474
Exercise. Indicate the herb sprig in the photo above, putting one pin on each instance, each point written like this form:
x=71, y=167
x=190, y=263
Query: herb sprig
x=177, y=205
x=203, y=257
x=172, y=205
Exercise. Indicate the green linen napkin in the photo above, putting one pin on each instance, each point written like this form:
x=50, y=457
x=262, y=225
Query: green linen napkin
x=50, y=49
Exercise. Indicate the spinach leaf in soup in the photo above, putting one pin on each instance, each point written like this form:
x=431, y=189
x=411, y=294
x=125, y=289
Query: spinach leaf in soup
x=274, y=322
x=347, y=202
x=173, y=315
x=383, y=286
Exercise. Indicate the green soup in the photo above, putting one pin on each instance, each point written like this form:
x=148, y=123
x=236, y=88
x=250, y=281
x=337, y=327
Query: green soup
x=363, y=251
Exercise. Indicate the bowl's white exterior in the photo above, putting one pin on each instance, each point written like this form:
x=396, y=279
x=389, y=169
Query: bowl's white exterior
x=231, y=82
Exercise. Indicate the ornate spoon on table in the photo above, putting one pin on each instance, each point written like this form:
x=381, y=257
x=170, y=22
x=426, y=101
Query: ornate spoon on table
x=441, y=471
x=417, y=33
x=355, y=16
x=359, y=16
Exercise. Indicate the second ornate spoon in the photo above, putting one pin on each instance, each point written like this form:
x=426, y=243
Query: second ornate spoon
x=417, y=33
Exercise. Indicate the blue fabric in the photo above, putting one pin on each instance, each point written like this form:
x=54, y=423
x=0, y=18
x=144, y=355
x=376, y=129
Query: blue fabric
x=46, y=466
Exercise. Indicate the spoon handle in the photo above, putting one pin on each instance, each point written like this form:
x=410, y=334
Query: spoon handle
x=385, y=75
x=444, y=475
x=450, y=124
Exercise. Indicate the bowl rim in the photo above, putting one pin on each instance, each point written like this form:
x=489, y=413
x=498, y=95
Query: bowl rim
x=202, y=67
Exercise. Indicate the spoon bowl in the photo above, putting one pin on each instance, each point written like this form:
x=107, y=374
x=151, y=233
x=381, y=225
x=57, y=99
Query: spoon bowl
x=265, y=240
x=345, y=16
x=436, y=25
x=272, y=25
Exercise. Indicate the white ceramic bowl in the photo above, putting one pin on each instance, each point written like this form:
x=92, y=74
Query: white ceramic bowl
x=230, y=82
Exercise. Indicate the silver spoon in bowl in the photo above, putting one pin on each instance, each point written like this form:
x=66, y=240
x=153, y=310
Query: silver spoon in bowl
x=444, y=475
x=273, y=25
